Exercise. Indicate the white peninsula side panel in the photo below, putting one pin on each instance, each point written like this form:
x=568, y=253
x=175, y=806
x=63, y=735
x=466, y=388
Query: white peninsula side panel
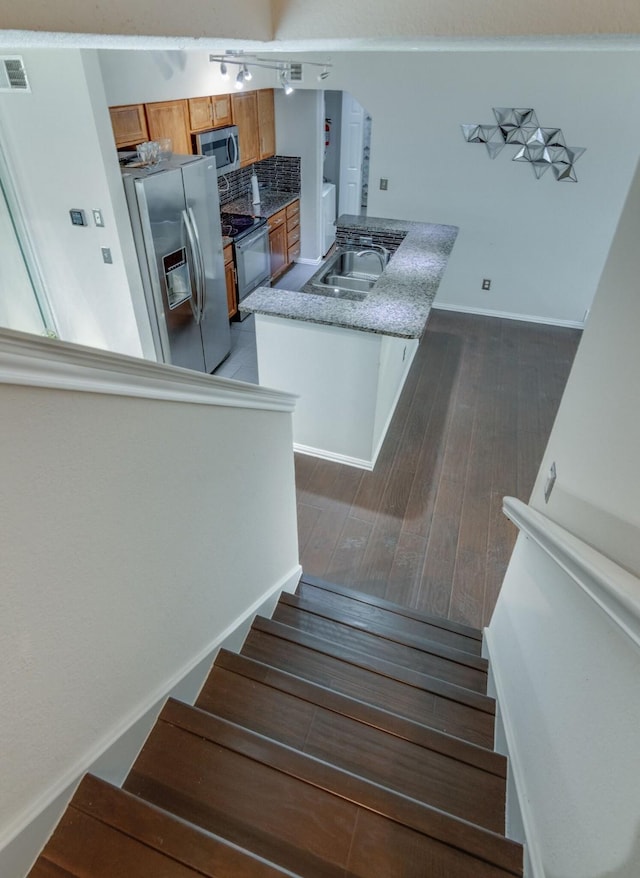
x=348, y=383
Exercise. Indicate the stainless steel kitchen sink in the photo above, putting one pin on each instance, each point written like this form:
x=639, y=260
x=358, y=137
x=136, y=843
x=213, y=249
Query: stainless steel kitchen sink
x=350, y=274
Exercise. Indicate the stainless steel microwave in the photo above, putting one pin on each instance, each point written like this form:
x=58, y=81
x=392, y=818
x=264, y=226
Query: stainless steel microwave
x=222, y=145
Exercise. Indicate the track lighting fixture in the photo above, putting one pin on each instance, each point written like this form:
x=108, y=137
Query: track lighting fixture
x=280, y=65
x=285, y=82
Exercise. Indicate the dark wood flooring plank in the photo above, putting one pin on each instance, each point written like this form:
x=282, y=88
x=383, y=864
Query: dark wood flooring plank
x=476, y=383
x=346, y=561
x=307, y=520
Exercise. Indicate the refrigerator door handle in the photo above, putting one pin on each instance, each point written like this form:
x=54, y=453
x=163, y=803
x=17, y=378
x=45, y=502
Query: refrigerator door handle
x=197, y=265
x=203, y=275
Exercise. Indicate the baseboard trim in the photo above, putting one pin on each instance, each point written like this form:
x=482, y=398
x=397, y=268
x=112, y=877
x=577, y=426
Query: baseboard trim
x=358, y=462
x=61, y=791
x=508, y=315
x=533, y=854
x=300, y=260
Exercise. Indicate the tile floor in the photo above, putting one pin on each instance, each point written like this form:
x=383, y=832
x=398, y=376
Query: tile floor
x=242, y=362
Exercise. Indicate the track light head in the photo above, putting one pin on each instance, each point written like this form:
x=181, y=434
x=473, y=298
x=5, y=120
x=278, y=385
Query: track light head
x=248, y=76
x=324, y=74
x=224, y=73
x=285, y=82
x=240, y=80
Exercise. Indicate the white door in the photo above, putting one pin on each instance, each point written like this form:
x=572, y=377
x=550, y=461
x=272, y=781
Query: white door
x=351, y=143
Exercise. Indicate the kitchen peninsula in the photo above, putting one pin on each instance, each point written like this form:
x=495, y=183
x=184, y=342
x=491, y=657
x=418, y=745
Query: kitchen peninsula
x=348, y=360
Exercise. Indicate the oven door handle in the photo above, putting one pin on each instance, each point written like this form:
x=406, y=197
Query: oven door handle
x=231, y=140
x=197, y=266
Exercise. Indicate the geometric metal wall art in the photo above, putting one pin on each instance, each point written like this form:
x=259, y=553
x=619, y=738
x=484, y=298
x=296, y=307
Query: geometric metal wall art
x=542, y=148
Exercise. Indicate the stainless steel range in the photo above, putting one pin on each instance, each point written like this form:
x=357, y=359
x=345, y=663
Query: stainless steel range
x=251, y=249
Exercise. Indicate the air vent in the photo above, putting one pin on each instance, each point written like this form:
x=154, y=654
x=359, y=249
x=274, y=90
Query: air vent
x=295, y=71
x=13, y=76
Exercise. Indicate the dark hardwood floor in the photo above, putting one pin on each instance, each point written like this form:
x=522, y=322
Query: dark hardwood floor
x=425, y=528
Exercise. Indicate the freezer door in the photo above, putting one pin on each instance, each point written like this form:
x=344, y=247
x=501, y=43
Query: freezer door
x=203, y=207
x=170, y=268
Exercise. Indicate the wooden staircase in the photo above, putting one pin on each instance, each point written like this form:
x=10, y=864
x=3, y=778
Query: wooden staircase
x=350, y=737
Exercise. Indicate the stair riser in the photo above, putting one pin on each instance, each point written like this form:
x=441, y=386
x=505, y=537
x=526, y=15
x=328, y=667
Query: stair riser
x=412, y=770
x=423, y=662
x=420, y=706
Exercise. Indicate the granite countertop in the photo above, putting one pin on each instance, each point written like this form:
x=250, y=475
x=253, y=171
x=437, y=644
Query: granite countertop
x=270, y=202
x=399, y=302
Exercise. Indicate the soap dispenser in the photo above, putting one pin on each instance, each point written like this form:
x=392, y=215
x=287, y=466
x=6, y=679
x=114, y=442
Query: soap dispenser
x=255, y=189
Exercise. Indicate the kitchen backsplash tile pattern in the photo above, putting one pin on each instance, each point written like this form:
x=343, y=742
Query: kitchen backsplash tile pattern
x=352, y=236
x=280, y=173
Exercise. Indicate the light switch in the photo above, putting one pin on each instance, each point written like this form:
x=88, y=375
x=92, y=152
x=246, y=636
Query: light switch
x=106, y=255
x=384, y=183
x=97, y=218
x=78, y=217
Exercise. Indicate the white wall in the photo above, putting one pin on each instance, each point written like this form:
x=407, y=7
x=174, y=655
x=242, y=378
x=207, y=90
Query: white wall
x=135, y=534
x=596, y=436
x=58, y=150
x=137, y=76
x=570, y=692
x=542, y=243
x=300, y=132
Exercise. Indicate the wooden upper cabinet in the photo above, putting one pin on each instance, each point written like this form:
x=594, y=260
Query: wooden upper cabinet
x=221, y=110
x=245, y=116
x=129, y=125
x=266, y=123
x=200, y=114
x=210, y=112
x=170, y=119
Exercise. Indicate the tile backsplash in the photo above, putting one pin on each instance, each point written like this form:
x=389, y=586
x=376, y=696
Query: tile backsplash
x=280, y=173
x=351, y=236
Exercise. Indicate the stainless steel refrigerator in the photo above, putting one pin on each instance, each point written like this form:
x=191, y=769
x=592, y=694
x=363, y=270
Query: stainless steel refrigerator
x=175, y=216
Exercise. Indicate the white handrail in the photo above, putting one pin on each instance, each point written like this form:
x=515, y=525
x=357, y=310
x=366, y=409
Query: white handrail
x=614, y=589
x=44, y=362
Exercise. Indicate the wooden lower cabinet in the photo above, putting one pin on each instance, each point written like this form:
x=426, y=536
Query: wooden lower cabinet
x=230, y=278
x=284, y=238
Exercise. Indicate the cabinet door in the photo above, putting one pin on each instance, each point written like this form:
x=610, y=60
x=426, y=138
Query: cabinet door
x=170, y=119
x=266, y=123
x=278, y=248
x=129, y=125
x=230, y=278
x=245, y=116
x=221, y=110
x=200, y=117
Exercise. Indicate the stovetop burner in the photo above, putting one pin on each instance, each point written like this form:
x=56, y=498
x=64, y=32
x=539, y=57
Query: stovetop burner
x=237, y=225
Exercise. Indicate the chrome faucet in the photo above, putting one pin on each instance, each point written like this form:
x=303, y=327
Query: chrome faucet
x=381, y=252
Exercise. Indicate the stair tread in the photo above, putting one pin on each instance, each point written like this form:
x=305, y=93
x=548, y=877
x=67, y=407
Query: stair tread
x=423, y=699
x=44, y=868
x=385, y=668
x=220, y=771
x=454, y=666
x=373, y=753
x=369, y=714
x=108, y=831
x=310, y=602
x=447, y=625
